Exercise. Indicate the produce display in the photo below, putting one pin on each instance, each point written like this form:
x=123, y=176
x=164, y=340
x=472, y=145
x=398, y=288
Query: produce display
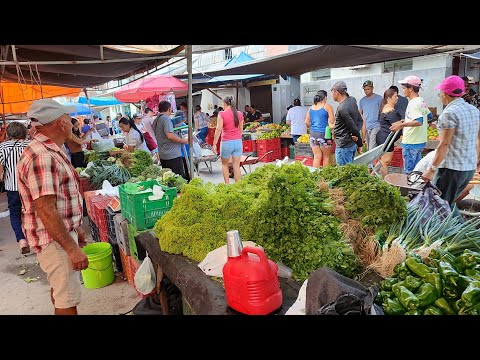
x=442, y=285
x=369, y=199
x=251, y=126
x=140, y=160
x=280, y=208
x=432, y=133
x=106, y=170
x=304, y=139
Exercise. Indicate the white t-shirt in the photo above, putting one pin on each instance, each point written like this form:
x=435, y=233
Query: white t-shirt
x=297, y=115
x=133, y=139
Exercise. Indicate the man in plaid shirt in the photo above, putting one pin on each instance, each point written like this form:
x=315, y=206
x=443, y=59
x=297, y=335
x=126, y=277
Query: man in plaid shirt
x=52, y=205
x=459, y=126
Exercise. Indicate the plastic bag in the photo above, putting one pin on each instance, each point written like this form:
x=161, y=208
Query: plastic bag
x=430, y=198
x=145, y=277
x=213, y=263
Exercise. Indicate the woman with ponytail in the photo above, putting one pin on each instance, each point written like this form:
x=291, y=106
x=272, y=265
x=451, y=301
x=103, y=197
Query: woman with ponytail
x=134, y=139
x=230, y=126
x=75, y=143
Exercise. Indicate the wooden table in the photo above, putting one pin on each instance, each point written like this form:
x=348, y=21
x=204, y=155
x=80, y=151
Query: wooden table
x=204, y=295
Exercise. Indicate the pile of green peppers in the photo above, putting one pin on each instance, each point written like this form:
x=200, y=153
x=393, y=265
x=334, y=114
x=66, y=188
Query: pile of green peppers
x=444, y=285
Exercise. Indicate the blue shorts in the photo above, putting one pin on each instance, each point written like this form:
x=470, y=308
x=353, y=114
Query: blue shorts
x=344, y=156
x=411, y=158
x=231, y=148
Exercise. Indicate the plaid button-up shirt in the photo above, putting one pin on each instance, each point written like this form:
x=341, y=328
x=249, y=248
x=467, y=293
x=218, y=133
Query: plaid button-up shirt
x=43, y=170
x=465, y=119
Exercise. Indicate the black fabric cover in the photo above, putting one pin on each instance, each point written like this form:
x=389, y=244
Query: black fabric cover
x=329, y=293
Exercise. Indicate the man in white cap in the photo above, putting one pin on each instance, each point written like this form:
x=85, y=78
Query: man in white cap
x=52, y=205
x=459, y=125
x=414, y=125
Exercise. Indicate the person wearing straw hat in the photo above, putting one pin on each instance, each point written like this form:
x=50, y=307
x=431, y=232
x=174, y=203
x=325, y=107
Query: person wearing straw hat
x=459, y=126
x=52, y=205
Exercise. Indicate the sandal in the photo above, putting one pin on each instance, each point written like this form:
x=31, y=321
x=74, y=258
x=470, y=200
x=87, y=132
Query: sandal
x=24, y=248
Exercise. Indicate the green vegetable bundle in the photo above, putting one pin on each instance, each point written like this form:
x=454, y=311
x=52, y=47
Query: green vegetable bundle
x=140, y=161
x=105, y=170
x=368, y=198
x=448, y=285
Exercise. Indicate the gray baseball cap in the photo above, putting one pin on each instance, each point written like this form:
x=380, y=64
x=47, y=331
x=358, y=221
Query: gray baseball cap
x=340, y=85
x=44, y=111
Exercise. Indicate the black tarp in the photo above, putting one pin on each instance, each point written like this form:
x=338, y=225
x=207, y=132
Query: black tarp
x=75, y=75
x=318, y=57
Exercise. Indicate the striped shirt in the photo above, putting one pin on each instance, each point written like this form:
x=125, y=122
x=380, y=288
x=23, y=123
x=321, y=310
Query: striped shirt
x=10, y=152
x=465, y=119
x=44, y=170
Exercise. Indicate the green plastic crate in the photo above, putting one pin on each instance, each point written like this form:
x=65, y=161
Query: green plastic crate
x=140, y=211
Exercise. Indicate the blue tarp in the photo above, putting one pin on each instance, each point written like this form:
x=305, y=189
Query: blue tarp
x=80, y=109
x=100, y=101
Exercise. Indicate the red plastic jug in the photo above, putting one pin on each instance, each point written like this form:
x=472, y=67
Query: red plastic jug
x=252, y=286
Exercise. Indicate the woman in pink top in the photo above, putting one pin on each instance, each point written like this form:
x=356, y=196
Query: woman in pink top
x=230, y=125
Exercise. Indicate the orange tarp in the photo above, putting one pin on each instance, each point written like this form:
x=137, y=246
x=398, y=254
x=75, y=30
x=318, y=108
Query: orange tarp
x=17, y=98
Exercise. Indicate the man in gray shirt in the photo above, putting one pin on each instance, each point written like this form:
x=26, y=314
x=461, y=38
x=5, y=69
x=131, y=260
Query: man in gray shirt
x=369, y=108
x=169, y=144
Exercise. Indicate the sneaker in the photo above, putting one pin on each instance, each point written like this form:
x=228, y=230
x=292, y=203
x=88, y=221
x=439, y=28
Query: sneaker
x=24, y=248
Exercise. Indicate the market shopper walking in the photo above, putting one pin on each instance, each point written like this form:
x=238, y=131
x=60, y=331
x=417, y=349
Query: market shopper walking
x=318, y=118
x=10, y=151
x=415, y=124
x=296, y=118
x=169, y=144
x=369, y=108
x=52, y=205
x=347, y=135
x=459, y=125
x=229, y=126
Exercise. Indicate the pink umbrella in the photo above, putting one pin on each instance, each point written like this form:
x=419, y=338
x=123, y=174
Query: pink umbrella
x=149, y=86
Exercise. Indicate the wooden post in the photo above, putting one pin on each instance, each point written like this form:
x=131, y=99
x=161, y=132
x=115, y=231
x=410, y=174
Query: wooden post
x=161, y=292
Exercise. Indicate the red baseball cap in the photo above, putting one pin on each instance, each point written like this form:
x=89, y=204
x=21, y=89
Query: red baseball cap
x=452, y=85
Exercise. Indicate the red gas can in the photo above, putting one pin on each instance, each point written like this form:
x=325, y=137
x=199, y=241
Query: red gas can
x=251, y=283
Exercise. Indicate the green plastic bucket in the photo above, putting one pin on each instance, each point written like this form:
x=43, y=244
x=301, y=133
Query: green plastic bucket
x=100, y=265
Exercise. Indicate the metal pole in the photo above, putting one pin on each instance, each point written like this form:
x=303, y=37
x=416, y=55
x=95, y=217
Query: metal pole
x=188, y=51
x=89, y=108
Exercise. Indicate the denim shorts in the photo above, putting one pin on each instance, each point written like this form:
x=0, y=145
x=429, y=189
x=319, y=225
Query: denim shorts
x=411, y=158
x=231, y=148
x=344, y=156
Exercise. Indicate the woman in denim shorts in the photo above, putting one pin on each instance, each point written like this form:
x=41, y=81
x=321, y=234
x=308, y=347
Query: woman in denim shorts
x=319, y=116
x=230, y=126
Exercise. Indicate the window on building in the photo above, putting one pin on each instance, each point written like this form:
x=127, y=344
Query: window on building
x=398, y=65
x=228, y=54
x=323, y=74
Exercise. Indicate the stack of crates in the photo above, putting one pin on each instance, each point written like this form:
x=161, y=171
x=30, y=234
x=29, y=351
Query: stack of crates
x=397, y=160
x=264, y=146
x=100, y=216
x=304, y=151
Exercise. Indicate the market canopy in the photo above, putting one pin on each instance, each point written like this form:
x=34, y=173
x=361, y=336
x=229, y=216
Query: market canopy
x=99, y=101
x=80, y=109
x=77, y=65
x=473, y=56
x=16, y=98
x=149, y=86
x=327, y=56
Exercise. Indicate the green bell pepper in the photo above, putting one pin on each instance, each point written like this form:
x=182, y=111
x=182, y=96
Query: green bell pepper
x=467, y=260
x=450, y=292
x=448, y=273
x=459, y=304
x=408, y=299
x=474, y=310
x=401, y=270
x=417, y=267
x=414, y=312
x=474, y=274
x=396, y=288
x=450, y=258
x=412, y=283
x=435, y=280
x=393, y=307
x=443, y=305
x=471, y=295
x=386, y=295
x=426, y=294
x=463, y=282
x=386, y=284
x=432, y=310
x=436, y=253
